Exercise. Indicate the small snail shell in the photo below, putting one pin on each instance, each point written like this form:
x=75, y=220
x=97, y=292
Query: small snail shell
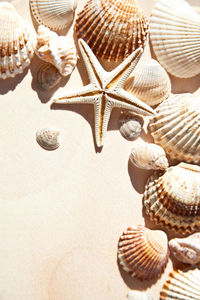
x=47, y=138
x=47, y=76
x=130, y=125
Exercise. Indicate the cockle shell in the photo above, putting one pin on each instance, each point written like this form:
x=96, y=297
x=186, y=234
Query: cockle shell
x=130, y=125
x=138, y=295
x=187, y=250
x=175, y=34
x=47, y=76
x=183, y=285
x=55, y=14
x=172, y=199
x=143, y=252
x=176, y=127
x=112, y=28
x=47, y=138
x=17, y=42
x=149, y=82
x=148, y=156
x=57, y=50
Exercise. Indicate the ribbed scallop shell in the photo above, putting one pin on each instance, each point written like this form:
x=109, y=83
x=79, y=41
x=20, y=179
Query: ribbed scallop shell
x=47, y=138
x=143, y=252
x=55, y=14
x=172, y=199
x=149, y=82
x=17, y=42
x=183, y=285
x=130, y=125
x=60, y=51
x=112, y=28
x=47, y=76
x=138, y=295
x=176, y=127
x=175, y=35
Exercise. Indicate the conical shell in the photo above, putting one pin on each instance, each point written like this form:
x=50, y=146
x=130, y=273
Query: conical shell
x=149, y=82
x=143, y=252
x=47, y=138
x=57, y=50
x=176, y=127
x=172, y=199
x=148, y=156
x=47, y=76
x=112, y=28
x=183, y=285
x=175, y=35
x=55, y=14
x=187, y=250
x=17, y=42
x=138, y=295
x=130, y=125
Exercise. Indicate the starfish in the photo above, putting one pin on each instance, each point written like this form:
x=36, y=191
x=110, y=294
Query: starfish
x=105, y=90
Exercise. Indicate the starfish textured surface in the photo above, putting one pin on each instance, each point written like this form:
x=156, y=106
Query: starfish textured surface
x=105, y=90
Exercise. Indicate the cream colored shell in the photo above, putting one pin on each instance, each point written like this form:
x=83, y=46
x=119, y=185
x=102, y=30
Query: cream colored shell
x=47, y=138
x=17, y=42
x=47, y=76
x=172, y=199
x=138, y=295
x=175, y=35
x=130, y=125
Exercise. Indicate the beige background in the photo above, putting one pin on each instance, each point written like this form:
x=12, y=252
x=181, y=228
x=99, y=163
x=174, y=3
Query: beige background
x=62, y=212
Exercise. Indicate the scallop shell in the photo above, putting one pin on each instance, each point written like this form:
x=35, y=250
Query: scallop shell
x=138, y=295
x=173, y=198
x=17, y=42
x=47, y=138
x=143, y=252
x=113, y=29
x=149, y=82
x=55, y=14
x=57, y=50
x=175, y=34
x=183, y=285
x=47, y=76
x=187, y=250
x=176, y=127
x=130, y=125
x=148, y=156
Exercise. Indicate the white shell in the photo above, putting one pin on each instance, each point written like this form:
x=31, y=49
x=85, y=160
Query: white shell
x=47, y=76
x=47, y=138
x=57, y=50
x=175, y=35
x=138, y=295
x=149, y=82
x=17, y=42
x=130, y=125
x=55, y=14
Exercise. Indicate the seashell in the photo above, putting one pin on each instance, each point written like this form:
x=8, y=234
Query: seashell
x=172, y=199
x=176, y=127
x=47, y=138
x=148, y=156
x=183, y=285
x=138, y=295
x=149, y=82
x=175, y=34
x=187, y=250
x=113, y=29
x=130, y=125
x=57, y=50
x=47, y=76
x=55, y=14
x=143, y=252
x=17, y=42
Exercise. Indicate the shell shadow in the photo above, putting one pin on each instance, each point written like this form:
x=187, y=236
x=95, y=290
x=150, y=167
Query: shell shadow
x=10, y=84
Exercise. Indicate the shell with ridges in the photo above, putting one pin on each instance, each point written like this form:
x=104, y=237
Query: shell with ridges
x=130, y=125
x=47, y=76
x=175, y=34
x=47, y=138
x=143, y=252
x=138, y=295
x=112, y=28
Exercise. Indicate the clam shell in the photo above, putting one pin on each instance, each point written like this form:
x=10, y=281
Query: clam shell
x=138, y=295
x=187, y=250
x=55, y=14
x=17, y=42
x=57, y=50
x=47, y=138
x=47, y=76
x=183, y=285
x=148, y=156
x=176, y=127
x=172, y=199
x=113, y=29
x=143, y=252
x=149, y=82
x=175, y=34
x=130, y=125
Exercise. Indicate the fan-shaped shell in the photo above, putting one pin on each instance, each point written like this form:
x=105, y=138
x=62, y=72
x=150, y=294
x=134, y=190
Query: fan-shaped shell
x=47, y=138
x=47, y=76
x=183, y=285
x=113, y=29
x=57, y=50
x=149, y=82
x=176, y=127
x=143, y=252
x=173, y=198
x=175, y=35
x=138, y=295
x=130, y=125
x=55, y=14
x=17, y=42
